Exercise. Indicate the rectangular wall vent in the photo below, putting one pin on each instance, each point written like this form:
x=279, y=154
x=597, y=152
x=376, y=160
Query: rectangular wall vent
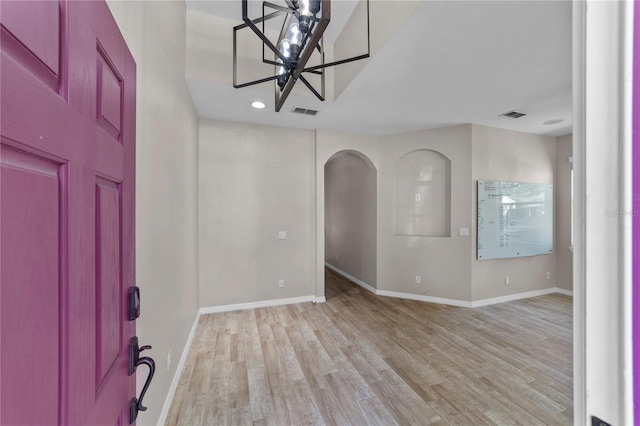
x=513, y=114
x=305, y=111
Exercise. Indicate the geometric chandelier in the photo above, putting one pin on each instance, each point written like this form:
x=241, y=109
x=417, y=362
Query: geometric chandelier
x=300, y=37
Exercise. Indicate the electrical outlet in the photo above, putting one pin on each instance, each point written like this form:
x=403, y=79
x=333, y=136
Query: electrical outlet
x=169, y=360
x=418, y=279
x=506, y=280
x=548, y=275
x=281, y=283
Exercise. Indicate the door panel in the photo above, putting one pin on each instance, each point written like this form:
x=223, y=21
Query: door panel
x=30, y=200
x=108, y=283
x=44, y=42
x=32, y=35
x=109, y=96
x=72, y=162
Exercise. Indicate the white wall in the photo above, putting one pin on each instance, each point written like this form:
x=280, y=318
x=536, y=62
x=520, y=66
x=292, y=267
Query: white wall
x=166, y=188
x=517, y=157
x=254, y=182
x=564, y=256
x=351, y=216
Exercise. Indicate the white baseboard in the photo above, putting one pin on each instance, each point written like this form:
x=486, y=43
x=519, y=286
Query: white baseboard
x=477, y=303
x=563, y=291
x=261, y=304
x=351, y=278
x=422, y=298
x=512, y=297
x=176, y=377
x=443, y=301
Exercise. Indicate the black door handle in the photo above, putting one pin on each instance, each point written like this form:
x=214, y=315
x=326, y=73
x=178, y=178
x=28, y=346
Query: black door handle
x=134, y=361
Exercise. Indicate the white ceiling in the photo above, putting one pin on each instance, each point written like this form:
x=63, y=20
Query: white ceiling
x=452, y=62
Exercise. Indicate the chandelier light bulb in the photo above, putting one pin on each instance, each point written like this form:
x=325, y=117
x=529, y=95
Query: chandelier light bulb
x=305, y=16
x=294, y=36
x=304, y=7
x=285, y=48
x=314, y=6
x=307, y=8
x=281, y=72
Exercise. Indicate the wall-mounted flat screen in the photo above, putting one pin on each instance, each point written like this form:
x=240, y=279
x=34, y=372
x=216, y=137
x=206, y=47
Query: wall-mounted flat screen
x=514, y=219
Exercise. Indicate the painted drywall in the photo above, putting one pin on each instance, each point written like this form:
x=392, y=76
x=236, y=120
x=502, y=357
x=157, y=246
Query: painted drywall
x=166, y=188
x=350, y=216
x=255, y=181
x=516, y=157
x=386, y=17
x=563, y=222
x=443, y=263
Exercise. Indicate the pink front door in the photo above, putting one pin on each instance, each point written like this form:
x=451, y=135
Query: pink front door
x=67, y=170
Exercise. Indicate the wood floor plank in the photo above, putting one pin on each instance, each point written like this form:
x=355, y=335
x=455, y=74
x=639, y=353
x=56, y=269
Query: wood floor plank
x=329, y=407
x=405, y=409
x=533, y=407
x=347, y=400
x=311, y=369
x=376, y=413
x=421, y=386
x=362, y=359
x=301, y=404
x=485, y=397
x=238, y=386
x=259, y=394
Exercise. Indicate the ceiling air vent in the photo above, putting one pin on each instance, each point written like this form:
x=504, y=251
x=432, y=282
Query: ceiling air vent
x=513, y=114
x=305, y=111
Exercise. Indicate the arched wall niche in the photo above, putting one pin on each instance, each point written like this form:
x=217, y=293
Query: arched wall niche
x=422, y=194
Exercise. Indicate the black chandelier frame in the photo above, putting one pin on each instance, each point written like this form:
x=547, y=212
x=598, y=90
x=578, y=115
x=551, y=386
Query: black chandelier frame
x=311, y=43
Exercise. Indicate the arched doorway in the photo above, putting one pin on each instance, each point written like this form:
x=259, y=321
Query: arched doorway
x=350, y=219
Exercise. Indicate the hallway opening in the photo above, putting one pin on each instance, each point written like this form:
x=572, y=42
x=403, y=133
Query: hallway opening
x=351, y=217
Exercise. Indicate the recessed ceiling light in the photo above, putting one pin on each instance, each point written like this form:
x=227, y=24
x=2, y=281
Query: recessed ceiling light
x=550, y=122
x=257, y=104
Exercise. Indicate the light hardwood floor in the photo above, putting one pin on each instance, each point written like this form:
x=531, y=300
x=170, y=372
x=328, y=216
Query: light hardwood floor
x=361, y=359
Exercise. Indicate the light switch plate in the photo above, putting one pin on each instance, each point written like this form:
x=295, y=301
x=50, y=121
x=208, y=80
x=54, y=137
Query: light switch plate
x=282, y=235
x=463, y=232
